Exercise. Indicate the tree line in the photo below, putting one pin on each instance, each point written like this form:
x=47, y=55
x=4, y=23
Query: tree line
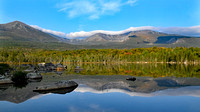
x=154, y=54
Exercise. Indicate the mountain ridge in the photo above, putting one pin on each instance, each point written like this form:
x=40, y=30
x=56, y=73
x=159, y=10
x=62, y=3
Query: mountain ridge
x=140, y=36
x=20, y=31
x=20, y=34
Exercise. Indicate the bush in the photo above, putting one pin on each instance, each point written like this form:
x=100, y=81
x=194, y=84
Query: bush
x=3, y=68
x=19, y=78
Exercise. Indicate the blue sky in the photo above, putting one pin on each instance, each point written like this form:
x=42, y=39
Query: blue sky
x=88, y=15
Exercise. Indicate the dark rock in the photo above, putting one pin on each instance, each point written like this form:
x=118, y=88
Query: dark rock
x=59, y=86
x=131, y=79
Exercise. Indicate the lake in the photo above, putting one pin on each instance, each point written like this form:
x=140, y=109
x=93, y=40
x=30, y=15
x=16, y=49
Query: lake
x=104, y=88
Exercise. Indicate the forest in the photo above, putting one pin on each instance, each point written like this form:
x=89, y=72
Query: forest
x=136, y=55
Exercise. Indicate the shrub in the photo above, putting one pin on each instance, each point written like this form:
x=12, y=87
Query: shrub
x=3, y=68
x=19, y=77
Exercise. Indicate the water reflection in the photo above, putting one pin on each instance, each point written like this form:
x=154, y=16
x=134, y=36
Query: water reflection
x=182, y=91
x=59, y=91
x=151, y=70
x=103, y=87
x=143, y=86
x=19, y=95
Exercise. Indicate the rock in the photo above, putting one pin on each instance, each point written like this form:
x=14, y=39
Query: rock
x=41, y=68
x=131, y=79
x=2, y=77
x=50, y=66
x=30, y=69
x=6, y=81
x=34, y=75
x=62, y=86
x=41, y=64
x=34, y=80
x=60, y=67
x=46, y=66
x=66, y=67
x=26, y=65
x=59, y=72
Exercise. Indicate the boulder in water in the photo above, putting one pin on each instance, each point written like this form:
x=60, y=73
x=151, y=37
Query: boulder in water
x=34, y=75
x=61, y=86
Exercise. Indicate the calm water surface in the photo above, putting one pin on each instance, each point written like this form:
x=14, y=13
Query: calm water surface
x=104, y=88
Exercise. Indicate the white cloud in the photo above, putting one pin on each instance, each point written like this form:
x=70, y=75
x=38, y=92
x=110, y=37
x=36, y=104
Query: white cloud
x=60, y=34
x=182, y=91
x=131, y=2
x=93, y=9
x=86, y=34
x=77, y=8
x=187, y=31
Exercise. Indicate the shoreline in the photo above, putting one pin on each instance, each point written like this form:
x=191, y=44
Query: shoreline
x=139, y=62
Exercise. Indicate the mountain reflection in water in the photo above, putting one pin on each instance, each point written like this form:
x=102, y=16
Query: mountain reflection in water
x=182, y=91
x=103, y=87
x=143, y=86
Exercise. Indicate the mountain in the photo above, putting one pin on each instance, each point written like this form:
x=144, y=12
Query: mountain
x=108, y=38
x=135, y=38
x=19, y=31
x=145, y=35
x=22, y=35
x=18, y=34
x=153, y=37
